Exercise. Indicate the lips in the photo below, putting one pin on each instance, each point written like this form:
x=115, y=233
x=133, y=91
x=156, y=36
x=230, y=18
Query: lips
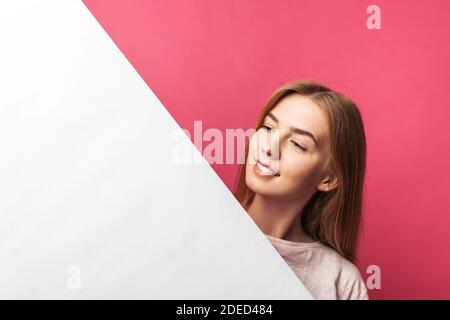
x=263, y=169
x=264, y=163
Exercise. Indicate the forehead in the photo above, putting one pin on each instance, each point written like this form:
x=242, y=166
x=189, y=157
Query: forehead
x=301, y=112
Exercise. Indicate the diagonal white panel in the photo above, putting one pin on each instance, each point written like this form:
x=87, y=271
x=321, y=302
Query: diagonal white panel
x=86, y=179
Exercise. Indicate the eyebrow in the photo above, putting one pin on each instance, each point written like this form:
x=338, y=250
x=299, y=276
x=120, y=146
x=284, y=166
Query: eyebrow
x=296, y=130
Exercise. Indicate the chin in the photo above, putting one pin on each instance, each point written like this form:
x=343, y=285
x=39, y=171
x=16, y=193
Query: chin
x=261, y=188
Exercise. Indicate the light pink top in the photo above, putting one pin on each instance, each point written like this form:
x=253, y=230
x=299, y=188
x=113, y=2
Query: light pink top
x=324, y=272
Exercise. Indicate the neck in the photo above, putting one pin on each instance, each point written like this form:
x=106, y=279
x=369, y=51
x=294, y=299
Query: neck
x=278, y=217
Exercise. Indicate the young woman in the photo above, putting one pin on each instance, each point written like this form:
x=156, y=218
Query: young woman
x=302, y=184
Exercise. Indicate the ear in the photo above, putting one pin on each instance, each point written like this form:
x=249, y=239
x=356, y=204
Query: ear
x=328, y=183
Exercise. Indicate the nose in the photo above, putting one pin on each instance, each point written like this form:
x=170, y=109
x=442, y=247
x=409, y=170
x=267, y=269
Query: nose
x=267, y=150
x=271, y=149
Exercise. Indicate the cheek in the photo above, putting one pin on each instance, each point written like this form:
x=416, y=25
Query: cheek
x=252, y=149
x=250, y=157
x=297, y=170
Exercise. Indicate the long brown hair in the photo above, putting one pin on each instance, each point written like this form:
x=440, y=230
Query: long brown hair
x=334, y=217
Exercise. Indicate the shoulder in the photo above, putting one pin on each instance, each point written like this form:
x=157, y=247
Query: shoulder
x=323, y=271
x=346, y=276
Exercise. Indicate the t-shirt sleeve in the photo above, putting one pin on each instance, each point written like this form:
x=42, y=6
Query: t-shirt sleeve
x=357, y=291
x=353, y=286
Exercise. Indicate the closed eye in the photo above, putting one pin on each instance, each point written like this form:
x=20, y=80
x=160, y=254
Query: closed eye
x=298, y=146
x=293, y=142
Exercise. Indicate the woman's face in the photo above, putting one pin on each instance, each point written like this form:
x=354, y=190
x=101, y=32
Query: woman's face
x=297, y=158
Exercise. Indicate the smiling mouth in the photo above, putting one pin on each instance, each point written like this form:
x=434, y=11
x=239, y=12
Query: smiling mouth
x=265, y=170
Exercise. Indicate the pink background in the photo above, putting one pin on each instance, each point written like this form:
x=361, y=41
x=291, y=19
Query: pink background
x=219, y=61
